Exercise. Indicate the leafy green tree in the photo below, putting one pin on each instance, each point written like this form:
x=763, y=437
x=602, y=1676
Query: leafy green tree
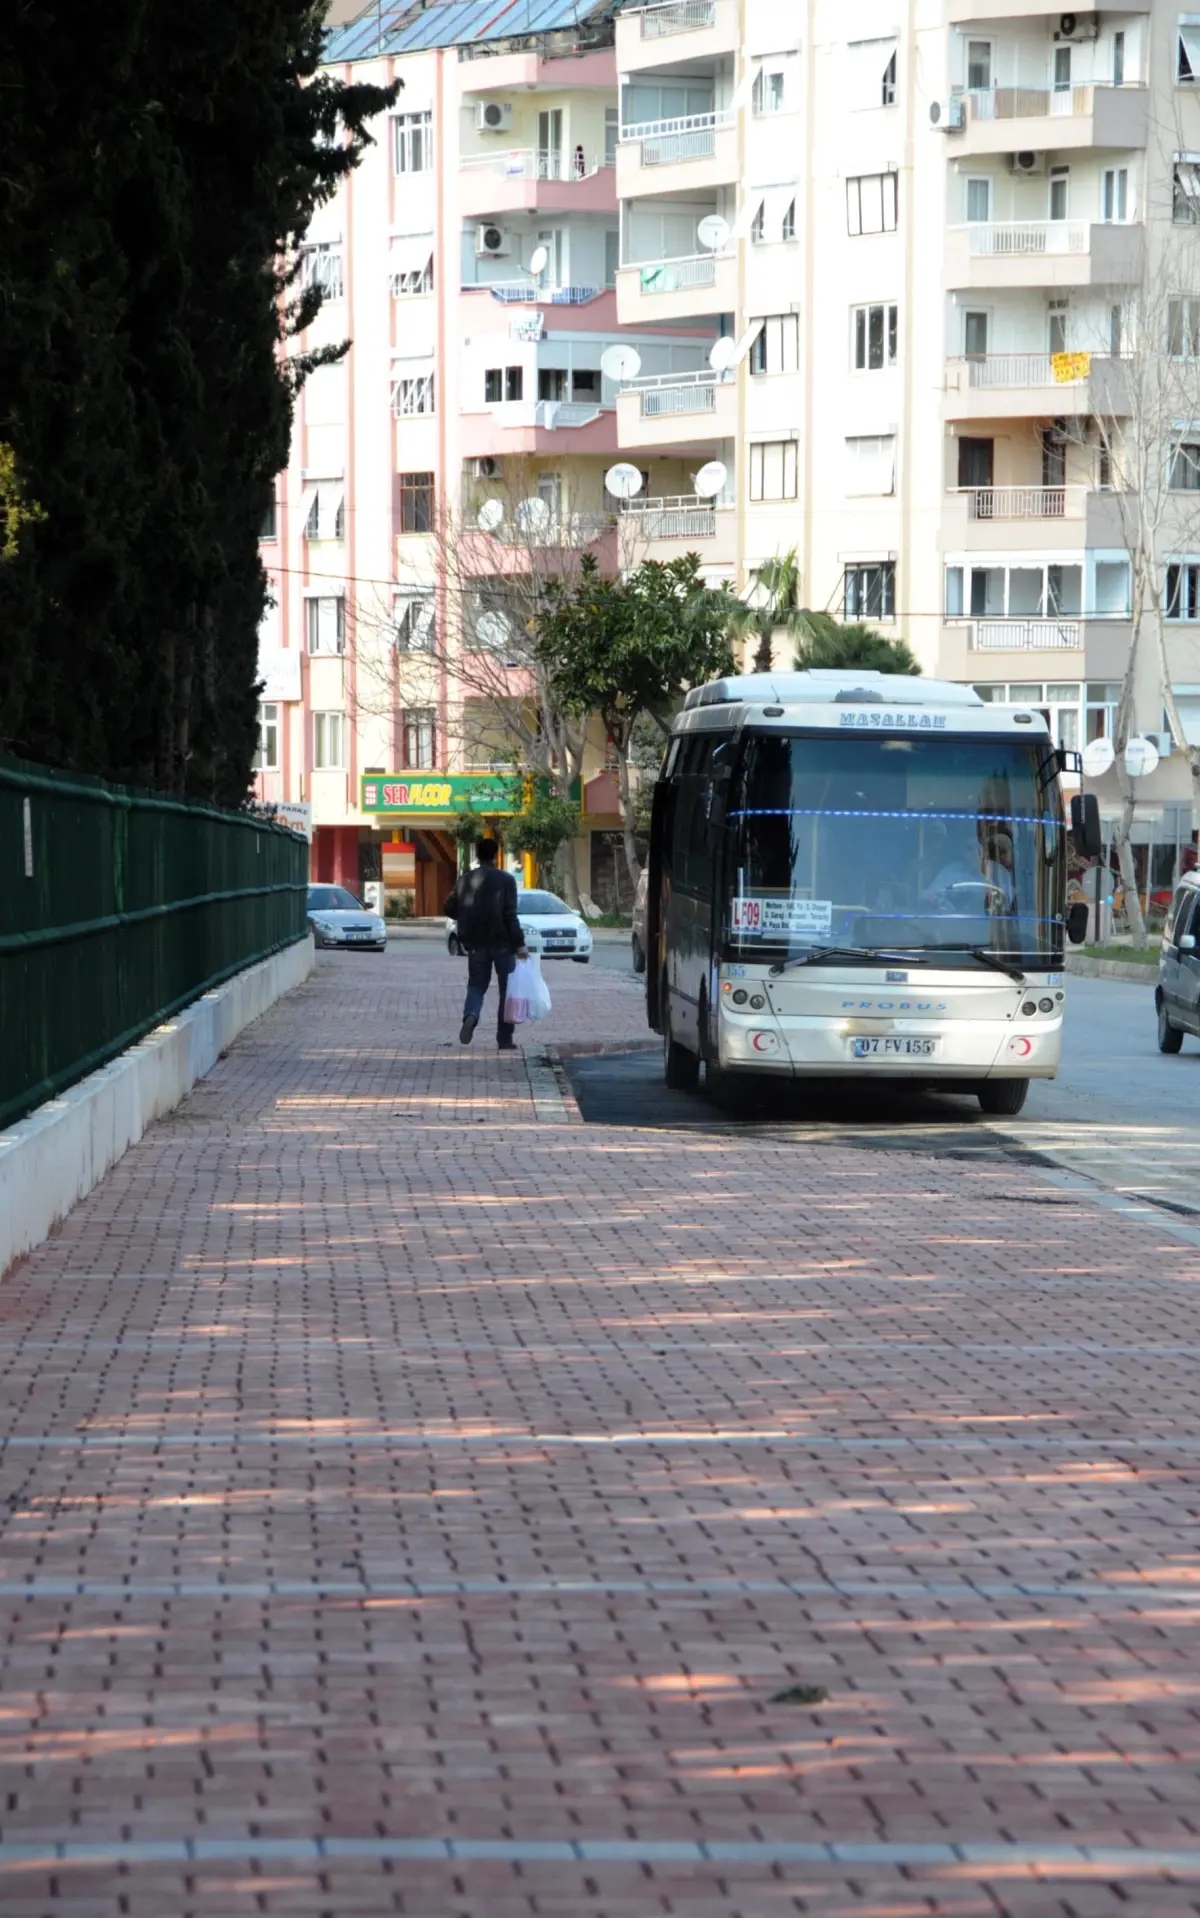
x=773, y=607
x=628, y=648
x=156, y=175
x=544, y=828
x=822, y=641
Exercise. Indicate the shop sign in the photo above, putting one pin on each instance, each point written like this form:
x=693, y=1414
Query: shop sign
x=440, y=792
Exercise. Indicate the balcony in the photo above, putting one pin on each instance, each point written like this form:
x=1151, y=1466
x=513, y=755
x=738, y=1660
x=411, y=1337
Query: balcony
x=1024, y=635
x=528, y=292
x=542, y=71
x=1030, y=517
x=1021, y=119
x=537, y=426
x=533, y=180
x=966, y=13
x=664, y=528
x=1079, y=646
x=673, y=409
x=1043, y=253
x=694, y=153
x=691, y=31
x=1005, y=386
x=652, y=291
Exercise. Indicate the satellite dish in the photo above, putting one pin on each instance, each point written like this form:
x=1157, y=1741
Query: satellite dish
x=493, y=630
x=710, y=480
x=1141, y=757
x=489, y=515
x=723, y=354
x=539, y=260
x=1098, y=756
x=713, y=232
x=620, y=362
x=623, y=481
x=533, y=515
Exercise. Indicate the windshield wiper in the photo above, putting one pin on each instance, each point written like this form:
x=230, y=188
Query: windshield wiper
x=986, y=957
x=847, y=952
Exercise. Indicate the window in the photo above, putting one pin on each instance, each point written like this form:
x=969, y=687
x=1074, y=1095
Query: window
x=612, y=255
x=776, y=348
x=871, y=203
x=503, y=383
x=1183, y=590
x=270, y=524
x=1118, y=59
x=975, y=335
x=1187, y=50
x=869, y=591
x=416, y=502
x=1114, y=194
x=1100, y=711
x=329, y=741
x=787, y=229
x=418, y=733
x=325, y=623
x=769, y=93
x=414, y=627
x=888, y=89
x=875, y=333
x=979, y=200
x=871, y=464
x=872, y=73
x=552, y=383
x=612, y=133
x=773, y=469
x=1185, y=468
x=266, y=759
x=1060, y=178
x=321, y=265
x=979, y=65
x=1062, y=69
x=1048, y=590
x=758, y=225
x=413, y=394
x=1183, y=328
x=1116, y=331
x=1185, y=195
x=324, y=510
x=1056, y=315
x=411, y=265
x=412, y=142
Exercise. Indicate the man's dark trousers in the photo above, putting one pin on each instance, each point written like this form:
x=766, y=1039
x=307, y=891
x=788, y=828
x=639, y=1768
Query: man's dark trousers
x=480, y=965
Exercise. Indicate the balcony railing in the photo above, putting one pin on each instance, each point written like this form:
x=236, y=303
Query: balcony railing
x=1030, y=103
x=670, y=142
x=1009, y=238
x=675, y=276
x=665, y=393
x=682, y=516
x=1019, y=369
x=533, y=293
x=680, y=16
x=1025, y=635
x=533, y=163
x=1022, y=502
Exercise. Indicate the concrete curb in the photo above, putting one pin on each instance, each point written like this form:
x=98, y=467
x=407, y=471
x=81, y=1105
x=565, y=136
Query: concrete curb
x=61, y=1152
x=1133, y=974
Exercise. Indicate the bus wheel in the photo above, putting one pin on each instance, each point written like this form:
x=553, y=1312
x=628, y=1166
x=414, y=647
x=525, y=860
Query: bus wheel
x=681, y=1068
x=1002, y=1096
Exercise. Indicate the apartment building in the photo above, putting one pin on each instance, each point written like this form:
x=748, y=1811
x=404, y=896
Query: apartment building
x=885, y=281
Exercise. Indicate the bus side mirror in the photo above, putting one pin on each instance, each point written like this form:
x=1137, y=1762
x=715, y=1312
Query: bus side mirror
x=1085, y=825
x=1077, y=923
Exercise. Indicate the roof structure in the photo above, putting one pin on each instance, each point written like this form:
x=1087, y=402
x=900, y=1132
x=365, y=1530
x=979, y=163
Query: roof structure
x=386, y=28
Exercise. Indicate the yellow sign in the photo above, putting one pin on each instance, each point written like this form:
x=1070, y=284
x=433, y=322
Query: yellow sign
x=1069, y=368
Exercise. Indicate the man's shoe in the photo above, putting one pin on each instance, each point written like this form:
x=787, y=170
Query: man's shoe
x=507, y=1045
x=466, y=1031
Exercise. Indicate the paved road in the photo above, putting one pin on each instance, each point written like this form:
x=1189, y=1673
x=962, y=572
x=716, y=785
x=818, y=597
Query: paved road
x=417, y=1501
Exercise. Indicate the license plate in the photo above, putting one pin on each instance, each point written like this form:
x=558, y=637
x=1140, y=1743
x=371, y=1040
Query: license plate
x=359, y=935
x=891, y=1048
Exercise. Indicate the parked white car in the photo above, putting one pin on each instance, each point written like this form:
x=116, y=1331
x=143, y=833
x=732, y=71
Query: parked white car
x=337, y=918
x=551, y=928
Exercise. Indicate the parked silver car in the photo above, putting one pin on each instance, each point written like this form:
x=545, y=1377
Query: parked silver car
x=1177, y=994
x=337, y=918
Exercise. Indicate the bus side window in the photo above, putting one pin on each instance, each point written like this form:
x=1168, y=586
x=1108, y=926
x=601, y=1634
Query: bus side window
x=700, y=835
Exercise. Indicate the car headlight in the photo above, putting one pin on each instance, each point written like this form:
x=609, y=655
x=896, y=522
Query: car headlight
x=322, y=925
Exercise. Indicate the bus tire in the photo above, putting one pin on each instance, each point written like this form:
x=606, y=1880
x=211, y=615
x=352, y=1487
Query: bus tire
x=729, y=1091
x=681, y=1068
x=1003, y=1097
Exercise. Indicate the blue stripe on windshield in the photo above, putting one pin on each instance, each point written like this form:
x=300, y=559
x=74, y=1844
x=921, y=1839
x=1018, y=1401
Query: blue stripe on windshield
x=853, y=812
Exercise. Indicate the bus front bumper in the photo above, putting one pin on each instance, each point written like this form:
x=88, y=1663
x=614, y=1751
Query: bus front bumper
x=922, y=1050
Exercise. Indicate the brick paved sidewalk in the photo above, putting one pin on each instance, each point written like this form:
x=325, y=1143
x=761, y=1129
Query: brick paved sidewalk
x=416, y=1503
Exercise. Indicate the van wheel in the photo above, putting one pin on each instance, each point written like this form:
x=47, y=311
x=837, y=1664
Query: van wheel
x=639, y=957
x=1002, y=1096
x=1169, y=1037
x=681, y=1068
x=453, y=947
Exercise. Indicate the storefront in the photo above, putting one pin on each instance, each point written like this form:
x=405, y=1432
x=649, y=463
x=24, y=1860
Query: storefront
x=415, y=816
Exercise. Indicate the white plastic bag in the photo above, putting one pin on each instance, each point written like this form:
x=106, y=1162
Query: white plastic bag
x=528, y=996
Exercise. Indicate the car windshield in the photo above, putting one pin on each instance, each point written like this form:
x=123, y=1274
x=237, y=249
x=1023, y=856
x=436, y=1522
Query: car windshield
x=540, y=905
x=943, y=844
x=332, y=899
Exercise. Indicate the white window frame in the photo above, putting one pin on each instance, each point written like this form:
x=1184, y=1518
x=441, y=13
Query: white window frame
x=870, y=465
x=321, y=265
x=414, y=395
x=1185, y=190
x=775, y=348
x=413, y=622
x=411, y=282
x=325, y=624
x=1185, y=459
x=860, y=324
x=423, y=719
x=1187, y=332
x=873, y=69
x=770, y=92
x=325, y=512
x=972, y=180
x=860, y=187
x=1121, y=190
x=266, y=757
x=774, y=463
x=329, y=741
x=860, y=569
x=1058, y=176
x=1187, y=56
x=412, y=140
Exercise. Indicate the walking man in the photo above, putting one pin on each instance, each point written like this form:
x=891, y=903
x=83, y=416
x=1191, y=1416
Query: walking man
x=484, y=905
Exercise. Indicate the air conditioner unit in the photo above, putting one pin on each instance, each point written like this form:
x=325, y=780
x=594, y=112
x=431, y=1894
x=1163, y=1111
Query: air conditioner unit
x=492, y=242
x=948, y=116
x=493, y=116
x=487, y=468
x=1078, y=26
x=1027, y=162
x=1164, y=742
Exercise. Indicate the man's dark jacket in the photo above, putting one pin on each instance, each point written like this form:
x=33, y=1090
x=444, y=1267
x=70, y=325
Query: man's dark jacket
x=484, y=904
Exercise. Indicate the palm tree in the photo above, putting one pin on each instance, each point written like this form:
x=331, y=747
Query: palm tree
x=824, y=642
x=775, y=606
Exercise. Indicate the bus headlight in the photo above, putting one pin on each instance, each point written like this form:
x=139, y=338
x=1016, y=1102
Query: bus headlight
x=1045, y=1005
x=740, y=996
